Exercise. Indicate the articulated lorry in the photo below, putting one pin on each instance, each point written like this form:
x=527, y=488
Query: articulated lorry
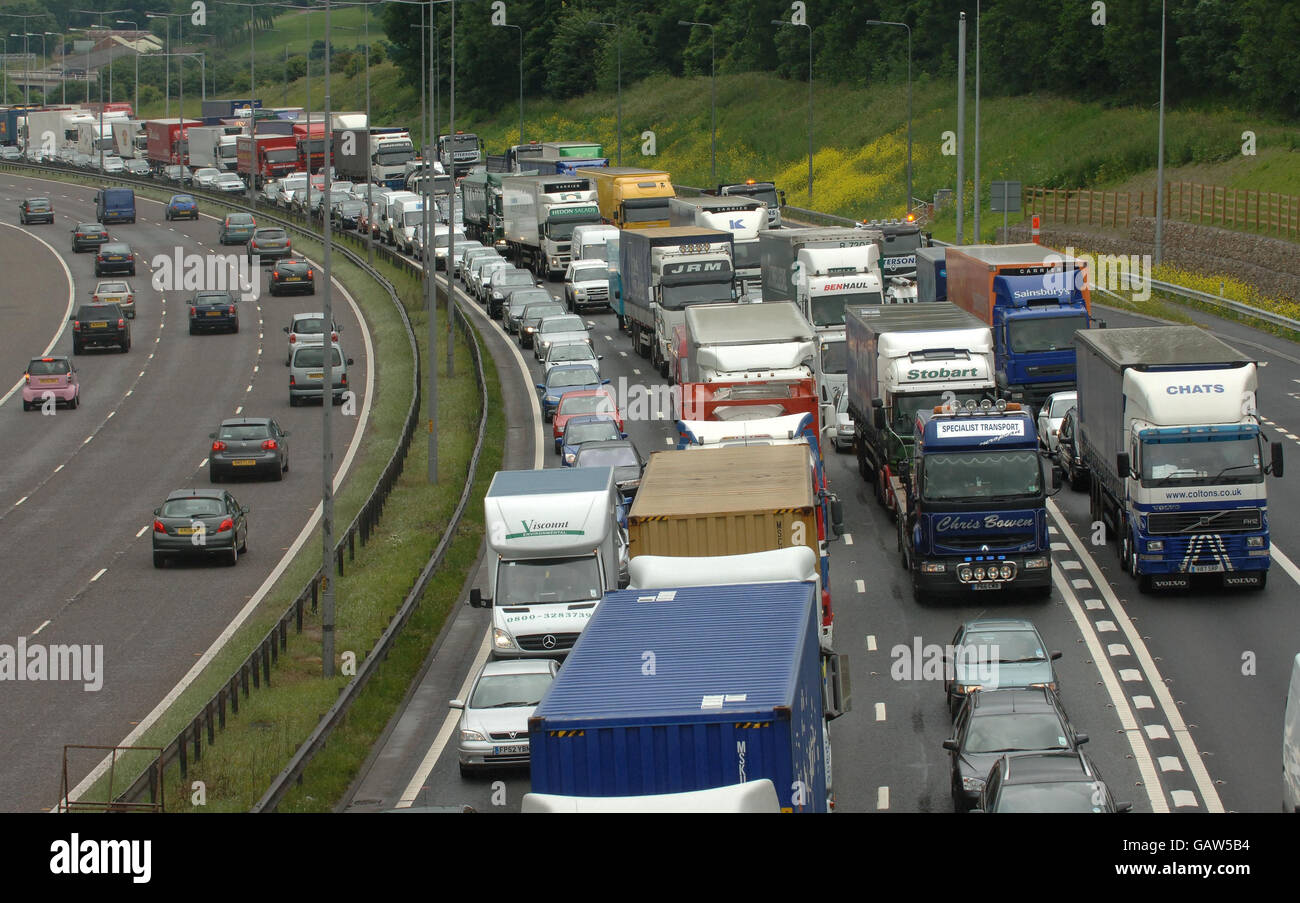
x=972, y=503
x=213, y=111
x=738, y=342
x=555, y=548
x=898, y=242
x=310, y=137
x=480, y=194
x=129, y=139
x=743, y=218
x=264, y=158
x=517, y=158
x=821, y=271
x=750, y=705
x=903, y=359
x=1034, y=299
x=539, y=213
x=459, y=153
x=661, y=273
x=932, y=274
x=211, y=145
x=165, y=142
x=1169, y=430
x=94, y=137
x=766, y=192
x=377, y=155
x=631, y=198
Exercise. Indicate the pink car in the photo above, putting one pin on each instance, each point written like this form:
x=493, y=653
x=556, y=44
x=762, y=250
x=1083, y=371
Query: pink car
x=55, y=375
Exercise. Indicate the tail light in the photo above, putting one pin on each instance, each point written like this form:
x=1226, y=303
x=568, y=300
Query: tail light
x=270, y=445
x=130, y=299
x=76, y=326
x=194, y=311
x=158, y=527
x=94, y=299
x=226, y=524
x=27, y=377
x=292, y=338
x=311, y=274
x=231, y=310
x=345, y=379
x=334, y=336
x=121, y=323
x=275, y=277
x=218, y=445
x=292, y=381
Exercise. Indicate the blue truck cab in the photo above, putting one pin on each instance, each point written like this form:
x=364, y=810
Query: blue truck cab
x=115, y=205
x=975, y=503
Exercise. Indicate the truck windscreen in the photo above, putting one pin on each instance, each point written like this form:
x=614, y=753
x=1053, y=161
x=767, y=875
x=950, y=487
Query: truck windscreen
x=645, y=210
x=747, y=255
x=834, y=359
x=977, y=476
x=906, y=407
x=899, y=245
x=828, y=310
x=1045, y=333
x=544, y=581
x=677, y=297
x=228, y=151
x=282, y=155
x=766, y=194
x=1201, y=462
x=561, y=228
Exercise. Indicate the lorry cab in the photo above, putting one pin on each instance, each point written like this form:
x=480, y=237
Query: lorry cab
x=827, y=280
x=115, y=205
x=630, y=197
x=555, y=548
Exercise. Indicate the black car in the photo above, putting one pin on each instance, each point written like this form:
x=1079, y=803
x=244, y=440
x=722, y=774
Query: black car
x=1069, y=457
x=100, y=326
x=213, y=312
x=36, y=210
x=347, y=213
x=250, y=446
x=88, y=236
x=292, y=275
x=993, y=723
x=1047, y=782
x=503, y=282
x=114, y=257
x=532, y=317
x=199, y=522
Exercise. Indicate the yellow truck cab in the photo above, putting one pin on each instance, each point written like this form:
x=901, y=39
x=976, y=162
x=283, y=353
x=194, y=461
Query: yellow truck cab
x=632, y=198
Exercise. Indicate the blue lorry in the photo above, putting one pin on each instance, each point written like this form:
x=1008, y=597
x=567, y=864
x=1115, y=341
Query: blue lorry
x=973, y=502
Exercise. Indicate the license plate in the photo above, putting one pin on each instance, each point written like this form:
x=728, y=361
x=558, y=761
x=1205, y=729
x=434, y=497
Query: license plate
x=509, y=750
x=49, y=381
x=115, y=259
x=98, y=325
x=185, y=531
x=979, y=586
x=1206, y=568
x=243, y=462
x=293, y=279
x=320, y=375
x=215, y=313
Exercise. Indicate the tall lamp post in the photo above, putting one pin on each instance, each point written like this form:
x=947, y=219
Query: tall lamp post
x=102, y=13
x=907, y=208
x=618, y=38
x=27, y=87
x=136, y=27
x=519, y=29
x=44, y=65
x=252, y=87
x=713, y=96
x=1160, y=153
x=810, y=98
x=203, y=65
x=179, y=37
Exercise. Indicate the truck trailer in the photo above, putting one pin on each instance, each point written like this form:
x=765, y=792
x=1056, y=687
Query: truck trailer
x=377, y=155
x=743, y=218
x=165, y=141
x=264, y=158
x=539, y=215
x=212, y=145
x=1169, y=430
x=766, y=192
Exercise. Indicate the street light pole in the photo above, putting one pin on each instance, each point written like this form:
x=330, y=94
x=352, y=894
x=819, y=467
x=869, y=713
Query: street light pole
x=810, y=99
x=252, y=93
x=519, y=28
x=1160, y=152
x=713, y=96
x=618, y=39
x=135, y=26
x=327, y=403
x=976, y=198
x=907, y=208
x=961, y=127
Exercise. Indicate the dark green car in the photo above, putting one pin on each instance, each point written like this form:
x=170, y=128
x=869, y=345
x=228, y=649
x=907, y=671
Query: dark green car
x=237, y=229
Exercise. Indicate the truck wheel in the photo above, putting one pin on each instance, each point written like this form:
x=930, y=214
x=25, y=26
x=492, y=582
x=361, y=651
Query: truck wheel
x=1127, y=555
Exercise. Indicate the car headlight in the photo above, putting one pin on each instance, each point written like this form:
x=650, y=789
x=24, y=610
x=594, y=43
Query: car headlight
x=551, y=399
x=501, y=639
x=973, y=785
x=472, y=737
x=570, y=457
x=546, y=346
x=1157, y=545
x=1252, y=542
x=933, y=567
x=530, y=329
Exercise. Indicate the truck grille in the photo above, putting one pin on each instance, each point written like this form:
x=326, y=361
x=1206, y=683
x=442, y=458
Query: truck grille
x=1011, y=542
x=1045, y=371
x=597, y=294
x=1230, y=521
x=537, y=642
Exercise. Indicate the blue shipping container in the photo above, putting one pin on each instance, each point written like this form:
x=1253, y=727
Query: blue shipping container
x=670, y=691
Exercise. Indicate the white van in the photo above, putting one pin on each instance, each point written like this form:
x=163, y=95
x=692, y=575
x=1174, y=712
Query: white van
x=1291, y=744
x=588, y=242
x=388, y=227
x=406, y=214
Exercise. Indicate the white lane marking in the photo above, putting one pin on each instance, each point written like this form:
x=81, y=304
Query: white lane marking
x=239, y=410
x=848, y=539
x=1130, y=675
x=20, y=501
x=1170, y=763
x=622, y=354
x=882, y=798
x=636, y=372
x=1185, y=798
x=668, y=440
x=102, y=572
x=1287, y=564
x=44, y=624
x=1156, y=732
x=140, y=532
x=67, y=312
x=60, y=467
x=203, y=463
x=111, y=415
x=1070, y=565
x=1081, y=583
x=1143, y=702
x=412, y=791
x=880, y=711
x=1128, y=722
x=1093, y=604
x=1105, y=626
x=871, y=643
x=1174, y=718
x=860, y=585
x=1115, y=649
x=88, y=438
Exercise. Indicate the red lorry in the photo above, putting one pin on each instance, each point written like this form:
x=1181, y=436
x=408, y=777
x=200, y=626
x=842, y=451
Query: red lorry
x=310, y=159
x=261, y=158
x=165, y=141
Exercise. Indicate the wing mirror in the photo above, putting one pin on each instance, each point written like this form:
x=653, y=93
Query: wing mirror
x=350, y=362
x=1275, y=466
x=1080, y=739
x=456, y=704
x=1123, y=466
x=837, y=516
x=951, y=745
x=1056, y=654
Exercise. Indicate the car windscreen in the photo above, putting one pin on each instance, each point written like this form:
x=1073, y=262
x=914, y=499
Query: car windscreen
x=1064, y=796
x=563, y=324
x=608, y=456
x=270, y=235
x=440, y=241
x=503, y=691
x=309, y=326
x=240, y=219
x=40, y=204
x=542, y=311
x=208, y=298
x=544, y=581
x=520, y=300
x=590, y=431
x=573, y=351
x=1003, y=647
x=1060, y=406
x=587, y=404
x=47, y=368
x=578, y=376
x=197, y=507
x=1016, y=732
x=314, y=356
x=245, y=431
x=501, y=279
x=588, y=274
x=182, y=199
x=112, y=288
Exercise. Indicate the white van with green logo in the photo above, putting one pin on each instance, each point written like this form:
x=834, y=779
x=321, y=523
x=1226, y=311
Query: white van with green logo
x=555, y=548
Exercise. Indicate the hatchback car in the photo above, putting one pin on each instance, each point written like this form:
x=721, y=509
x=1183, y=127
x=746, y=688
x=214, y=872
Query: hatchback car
x=994, y=723
x=199, y=522
x=493, y=727
x=571, y=353
x=292, y=275
x=182, y=206
x=346, y=214
x=481, y=271
x=213, y=312
x=237, y=229
x=463, y=248
x=1047, y=783
x=114, y=257
x=557, y=331
x=564, y=378
x=586, y=428
x=1069, y=456
x=1050, y=416
x=307, y=374
x=52, y=377
x=229, y=182
x=532, y=318
x=620, y=454
x=998, y=653
x=204, y=176
x=269, y=243
x=583, y=401
x=36, y=210
x=100, y=326
x=119, y=293
x=252, y=446
x=88, y=236
x=467, y=257
x=516, y=300
x=308, y=329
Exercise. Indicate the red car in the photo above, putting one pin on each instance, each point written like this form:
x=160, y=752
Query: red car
x=583, y=401
x=54, y=375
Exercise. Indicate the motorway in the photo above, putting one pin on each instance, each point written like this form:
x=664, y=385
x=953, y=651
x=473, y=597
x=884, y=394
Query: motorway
x=79, y=487
x=1182, y=695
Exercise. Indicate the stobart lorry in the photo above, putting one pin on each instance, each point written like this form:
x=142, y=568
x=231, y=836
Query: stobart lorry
x=1034, y=299
x=554, y=549
x=631, y=198
x=972, y=503
x=661, y=272
x=743, y=218
x=903, y=359
x=539, y=214
x=1168, y=427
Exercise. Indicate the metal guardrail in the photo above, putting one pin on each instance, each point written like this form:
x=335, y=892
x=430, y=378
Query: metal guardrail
x=256, y=668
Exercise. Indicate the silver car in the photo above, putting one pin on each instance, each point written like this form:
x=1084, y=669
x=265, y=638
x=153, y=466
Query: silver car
x=519, y=298
x=250, y=446
x=466, y=257
x=269, y=243
x=1050, y=416
x=586, y=284
x=479, y=269
x=571, y=353
x=493, y=727
x=307, y=373
x=308, y=329
x=463, y=248
x=558, y=331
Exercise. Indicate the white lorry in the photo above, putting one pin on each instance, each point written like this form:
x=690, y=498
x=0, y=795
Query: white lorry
x=588, y=242
x=539, y=214
x=743, y=218
x=92, y=137
x=736, y=342
x=555, y=548
x=129, y=139
x=821, y=270
x=211, y=146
